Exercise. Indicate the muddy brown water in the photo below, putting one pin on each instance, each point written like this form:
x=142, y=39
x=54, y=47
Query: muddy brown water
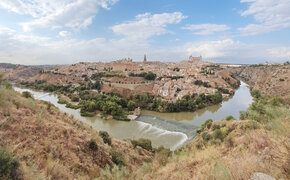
x=170, y=130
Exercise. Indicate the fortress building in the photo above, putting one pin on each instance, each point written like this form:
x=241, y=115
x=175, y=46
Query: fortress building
x=195, y=59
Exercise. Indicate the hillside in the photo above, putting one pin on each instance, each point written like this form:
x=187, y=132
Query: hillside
x=271, y=80
x=49, y=144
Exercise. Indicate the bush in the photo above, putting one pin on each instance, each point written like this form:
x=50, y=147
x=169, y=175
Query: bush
x=93, y=145
x=243, y=115
x=277, y=101
x=27, y=94
x=207, y=124
x=131, y=105
x=250, y=125
x=218, y=134
x=117, y=157
x=61, y=101
x=256, y=94
x=71, y=106
x=7, y=85
x=150, y=76
x=216, y=126
x=144, y=143
x=9, y=167
x=75, y=98
x=205, y=136
x=228, y=118
x=224, y=90
x=216, y=141
x=106, y=137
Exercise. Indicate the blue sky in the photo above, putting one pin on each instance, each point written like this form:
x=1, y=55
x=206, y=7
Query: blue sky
x=69, y=31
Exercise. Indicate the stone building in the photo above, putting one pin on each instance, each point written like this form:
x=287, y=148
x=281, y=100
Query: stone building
x=195, y=59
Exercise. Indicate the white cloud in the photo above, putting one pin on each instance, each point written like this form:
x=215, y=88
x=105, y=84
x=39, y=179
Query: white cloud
x=213, y=49
x=280, y=53
x=64, y=33
x=147, y=25
x=29, y=49
x=206, y=29
x=271, y=15
x=74, y=14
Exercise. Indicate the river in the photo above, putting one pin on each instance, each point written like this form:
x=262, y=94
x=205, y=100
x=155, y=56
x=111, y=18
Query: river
x=170, y=130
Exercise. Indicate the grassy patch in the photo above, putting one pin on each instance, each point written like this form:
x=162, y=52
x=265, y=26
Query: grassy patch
x=9, y=166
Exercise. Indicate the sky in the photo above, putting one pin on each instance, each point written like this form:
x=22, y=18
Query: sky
x=68, y=31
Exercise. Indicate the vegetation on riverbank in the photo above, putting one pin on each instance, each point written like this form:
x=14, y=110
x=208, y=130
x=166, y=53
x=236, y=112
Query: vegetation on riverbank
x=114, y=105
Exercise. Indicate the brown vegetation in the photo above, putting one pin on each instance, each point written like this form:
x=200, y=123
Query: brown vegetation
x=50, y=144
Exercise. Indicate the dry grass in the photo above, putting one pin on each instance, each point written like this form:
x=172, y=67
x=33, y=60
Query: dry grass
x=53, y=145
x=248, y=148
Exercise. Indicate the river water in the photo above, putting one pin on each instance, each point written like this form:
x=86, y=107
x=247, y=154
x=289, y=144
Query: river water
x=170, y=130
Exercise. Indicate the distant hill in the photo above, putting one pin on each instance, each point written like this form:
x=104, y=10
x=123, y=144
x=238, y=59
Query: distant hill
x=9, y=65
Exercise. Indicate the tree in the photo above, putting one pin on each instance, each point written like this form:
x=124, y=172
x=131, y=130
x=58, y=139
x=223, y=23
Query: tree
x=131, y=105
x=150, y=76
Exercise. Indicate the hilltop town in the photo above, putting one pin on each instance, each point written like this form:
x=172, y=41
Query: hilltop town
x=173, y=79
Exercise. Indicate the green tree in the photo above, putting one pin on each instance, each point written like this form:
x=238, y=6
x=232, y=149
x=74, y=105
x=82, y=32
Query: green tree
x=150, y=76
x=131, y=105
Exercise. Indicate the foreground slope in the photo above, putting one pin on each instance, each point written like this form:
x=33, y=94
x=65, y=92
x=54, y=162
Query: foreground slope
x=49, y=144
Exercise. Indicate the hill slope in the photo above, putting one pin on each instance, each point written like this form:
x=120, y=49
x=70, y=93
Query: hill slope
x=51, y=144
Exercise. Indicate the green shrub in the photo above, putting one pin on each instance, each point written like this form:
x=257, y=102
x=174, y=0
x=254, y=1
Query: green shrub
x=243, y=115
x=27, y=94
x=256, y=94
x=206, y=136
x=277, y=101
x=224, y=90
x=229, y=118
x=250, y=125
x=117, y=157
x=71, y=106
x=75, y=98
x=87, y=114
x=207, y=124
x=61, y=101
x=93, y=145
x=106, y=137
x=216, y=141
x=218, y=134
x=7, y=85
x=144, y=143
x=131, y=105
x=9, y=166
x=215, y=126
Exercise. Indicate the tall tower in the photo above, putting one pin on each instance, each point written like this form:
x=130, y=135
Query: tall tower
x=145, y=59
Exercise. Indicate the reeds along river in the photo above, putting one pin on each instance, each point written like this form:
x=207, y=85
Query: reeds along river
x=170, y=130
